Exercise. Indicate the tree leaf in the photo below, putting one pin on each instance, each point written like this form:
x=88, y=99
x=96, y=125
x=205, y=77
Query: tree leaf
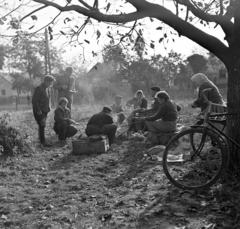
x=152, y=45
x=98, y=34
x=34, y=17
x=31, y=27
x=161, y=39
x=108, y=6
x=50, y=29
x=67, y=19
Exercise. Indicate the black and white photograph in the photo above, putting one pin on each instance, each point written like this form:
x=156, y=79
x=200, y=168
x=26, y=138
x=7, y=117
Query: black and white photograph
x=119, y=114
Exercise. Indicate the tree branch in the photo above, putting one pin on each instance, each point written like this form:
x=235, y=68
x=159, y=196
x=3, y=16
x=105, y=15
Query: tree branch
x=223, y=21
x=147, y=9
x=34, y=11
x=86, y=5
x=115, y=18
x=186, y=29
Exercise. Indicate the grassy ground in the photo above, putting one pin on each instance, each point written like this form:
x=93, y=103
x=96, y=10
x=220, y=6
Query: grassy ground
x=124, y=188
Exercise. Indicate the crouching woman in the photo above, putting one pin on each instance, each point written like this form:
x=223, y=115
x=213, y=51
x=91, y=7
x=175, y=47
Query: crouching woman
x=63, y=122
x=165, y=120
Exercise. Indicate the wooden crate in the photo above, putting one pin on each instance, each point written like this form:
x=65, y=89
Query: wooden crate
x=89, y=145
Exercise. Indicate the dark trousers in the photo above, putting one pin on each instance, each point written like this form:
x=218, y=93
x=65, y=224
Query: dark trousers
x=64, y=131
x=41, y=121
x=109, y=130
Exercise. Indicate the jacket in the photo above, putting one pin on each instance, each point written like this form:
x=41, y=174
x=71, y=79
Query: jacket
x=213, y=95
x=40, y=100
x=100, y=119
x=62, y=118
x=167, y=112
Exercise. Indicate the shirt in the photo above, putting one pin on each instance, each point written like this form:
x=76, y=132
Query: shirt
x=167, y=112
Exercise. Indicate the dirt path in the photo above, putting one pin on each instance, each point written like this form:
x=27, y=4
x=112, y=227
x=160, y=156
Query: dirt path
x=124, y=188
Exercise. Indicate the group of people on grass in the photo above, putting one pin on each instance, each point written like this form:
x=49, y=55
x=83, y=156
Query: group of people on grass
x=161, y=117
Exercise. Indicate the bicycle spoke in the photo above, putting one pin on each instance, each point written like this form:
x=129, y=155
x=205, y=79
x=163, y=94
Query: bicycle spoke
x=192, y=167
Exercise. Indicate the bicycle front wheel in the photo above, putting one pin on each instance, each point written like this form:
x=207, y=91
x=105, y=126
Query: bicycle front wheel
x=194, y=166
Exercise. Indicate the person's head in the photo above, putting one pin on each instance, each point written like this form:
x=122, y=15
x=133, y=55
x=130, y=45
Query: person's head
x=63, y=101
x=118, y=99
x=107, y=110
x=199, y=79
x=68, y=71
x=139, y=94
x=48, y=81
x=154, y=90
x=162, y=97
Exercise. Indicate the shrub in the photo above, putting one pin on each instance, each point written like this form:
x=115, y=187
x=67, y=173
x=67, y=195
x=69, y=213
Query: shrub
x=11, y=141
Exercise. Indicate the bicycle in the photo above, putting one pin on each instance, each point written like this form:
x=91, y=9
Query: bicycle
x=196, y=158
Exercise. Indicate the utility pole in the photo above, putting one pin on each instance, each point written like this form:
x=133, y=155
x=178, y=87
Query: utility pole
x=48, y=66
x=47, y=54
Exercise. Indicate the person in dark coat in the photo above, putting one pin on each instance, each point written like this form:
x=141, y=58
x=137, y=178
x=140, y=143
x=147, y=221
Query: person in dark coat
x=102, y=123
x=207, y=92
x=165, y=118
x=66, y=86
x=63, y=122
x=40, y=105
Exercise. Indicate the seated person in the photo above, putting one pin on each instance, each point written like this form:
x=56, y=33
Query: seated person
x=207, y=92
x=63, y=122
x=138, y=101
x=102, y=123
x=136, y=123
x=165, y=120
x=117, y=106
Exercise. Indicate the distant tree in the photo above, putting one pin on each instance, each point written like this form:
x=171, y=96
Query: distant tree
x=27, y=55
x=21, y=84
x=214, y=67
x=197, y=62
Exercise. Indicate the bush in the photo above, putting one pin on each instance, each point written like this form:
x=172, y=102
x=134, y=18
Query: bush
x=11, y=141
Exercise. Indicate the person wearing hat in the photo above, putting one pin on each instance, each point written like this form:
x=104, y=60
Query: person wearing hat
x=165, y=120
x=63, y=123
x=40, y=105
x=102, y=123
x=66, y=86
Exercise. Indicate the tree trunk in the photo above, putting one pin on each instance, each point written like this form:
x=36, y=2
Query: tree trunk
x=233, y=102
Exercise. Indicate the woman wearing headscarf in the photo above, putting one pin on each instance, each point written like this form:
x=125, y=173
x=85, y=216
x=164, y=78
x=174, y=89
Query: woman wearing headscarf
x=206, y=90
x=63, y=122
x=138, y=101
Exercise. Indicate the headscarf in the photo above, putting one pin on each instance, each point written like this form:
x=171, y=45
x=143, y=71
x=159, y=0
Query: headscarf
x=200, y=78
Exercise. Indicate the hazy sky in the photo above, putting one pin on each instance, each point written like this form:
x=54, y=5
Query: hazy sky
x=181, y=44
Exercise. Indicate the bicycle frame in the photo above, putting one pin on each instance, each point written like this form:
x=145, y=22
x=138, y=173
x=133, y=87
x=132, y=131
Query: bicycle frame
x=220, y=133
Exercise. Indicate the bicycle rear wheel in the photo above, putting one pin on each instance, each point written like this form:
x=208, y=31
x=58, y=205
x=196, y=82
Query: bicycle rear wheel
x=189, y=167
